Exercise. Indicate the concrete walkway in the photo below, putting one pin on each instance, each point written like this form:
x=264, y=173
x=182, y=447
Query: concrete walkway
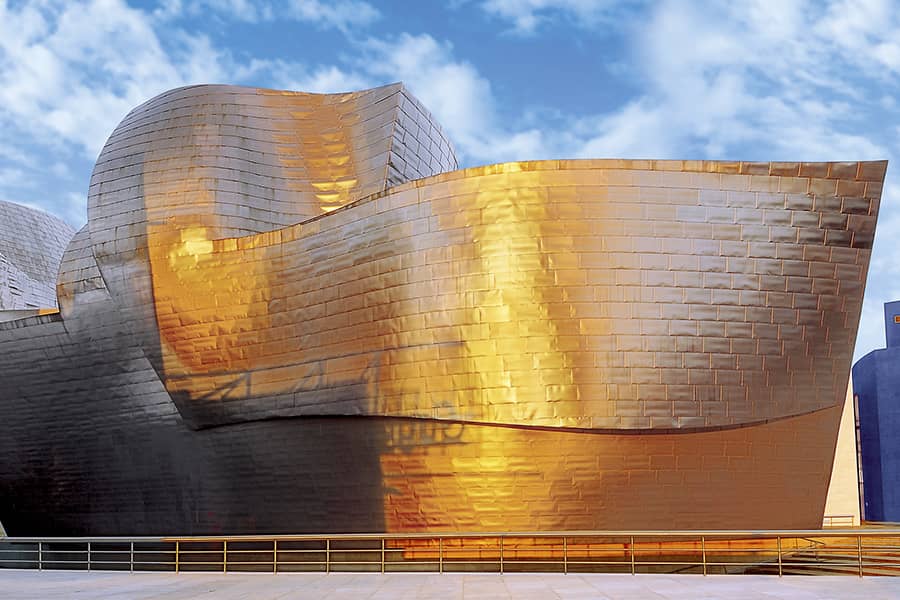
x=52, y=585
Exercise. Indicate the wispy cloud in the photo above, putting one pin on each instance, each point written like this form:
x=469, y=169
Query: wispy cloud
x=340, y=14
x=527, y=16
x=70, y=71
x=322, y=80
x=746, y=83
x=335, y=14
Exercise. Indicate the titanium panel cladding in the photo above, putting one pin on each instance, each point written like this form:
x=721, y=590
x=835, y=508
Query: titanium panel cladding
x=296, y=316
x=586, y=294
x=31, y=246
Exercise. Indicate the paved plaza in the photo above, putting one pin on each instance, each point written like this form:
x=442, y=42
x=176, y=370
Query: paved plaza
x=52, y=585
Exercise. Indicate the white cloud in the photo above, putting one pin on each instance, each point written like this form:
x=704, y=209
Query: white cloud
x=242, y=10
x=10, y=177
x=168, y=9
x=75, y=69
x=749, y=79
x=74, y=209
x=526, y=16
x=16, y=155
x=324, y=80
x=342, y=15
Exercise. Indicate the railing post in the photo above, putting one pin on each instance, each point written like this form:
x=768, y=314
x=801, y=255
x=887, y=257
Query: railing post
x=131, y=557
x=225, y=556
x=89, y=556
x=177, y=556
x=440, y=555
x=501, y=555
x=382, y=555
x=859, y=553
x=631, y=547
x=40, y=556
x=778, y=538
x=327, y=556
x=275, y=556
x=703, y=552
x=565, y=557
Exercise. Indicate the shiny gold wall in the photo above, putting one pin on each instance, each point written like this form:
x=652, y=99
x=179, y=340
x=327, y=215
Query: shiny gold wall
x=474, y=477
x=533, y=345
x=587, y=294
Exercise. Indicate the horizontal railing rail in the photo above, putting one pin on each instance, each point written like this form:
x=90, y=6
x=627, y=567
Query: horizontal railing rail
x=857, y=551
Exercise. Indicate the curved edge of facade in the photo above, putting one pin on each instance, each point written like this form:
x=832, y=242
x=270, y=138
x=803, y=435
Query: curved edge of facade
x=31, y=246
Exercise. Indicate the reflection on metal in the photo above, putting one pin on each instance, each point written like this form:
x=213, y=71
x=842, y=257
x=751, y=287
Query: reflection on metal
x=539, y=345
x=588, y=294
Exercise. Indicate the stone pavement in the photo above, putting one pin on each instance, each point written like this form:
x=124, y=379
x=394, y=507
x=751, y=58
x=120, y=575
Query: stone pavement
x=53, y=585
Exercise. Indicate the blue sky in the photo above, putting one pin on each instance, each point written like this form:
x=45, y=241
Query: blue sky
x=509, y=80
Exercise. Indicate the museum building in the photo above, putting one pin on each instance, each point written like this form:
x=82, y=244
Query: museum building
x=292, y=312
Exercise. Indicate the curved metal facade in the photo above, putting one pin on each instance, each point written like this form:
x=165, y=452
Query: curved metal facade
x=31, y=246
x=547, y=345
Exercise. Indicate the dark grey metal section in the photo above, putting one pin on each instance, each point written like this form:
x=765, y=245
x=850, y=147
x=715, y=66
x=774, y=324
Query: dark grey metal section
x=94, y=445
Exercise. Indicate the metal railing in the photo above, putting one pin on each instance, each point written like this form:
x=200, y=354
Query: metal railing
x=838, y=551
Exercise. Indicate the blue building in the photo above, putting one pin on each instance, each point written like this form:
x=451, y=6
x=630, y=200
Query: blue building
x=876, y=385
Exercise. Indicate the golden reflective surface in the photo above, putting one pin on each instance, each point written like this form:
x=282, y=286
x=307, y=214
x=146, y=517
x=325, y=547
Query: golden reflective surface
x=472, y=477
x=292, y=255
x=588, y=294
